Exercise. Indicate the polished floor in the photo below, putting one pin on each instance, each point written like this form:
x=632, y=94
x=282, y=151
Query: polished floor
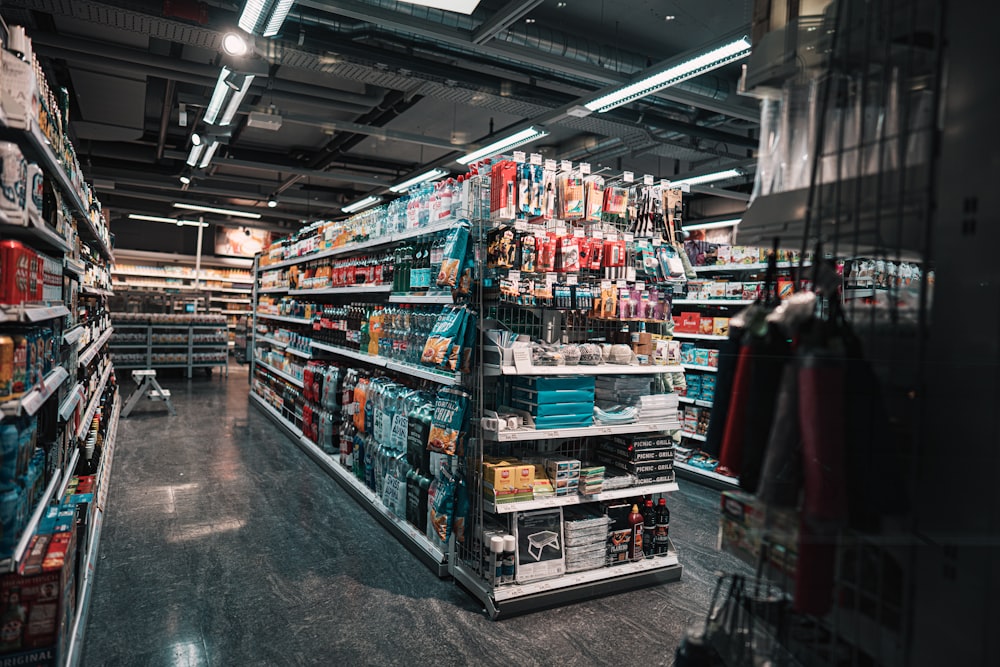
x=225, y=545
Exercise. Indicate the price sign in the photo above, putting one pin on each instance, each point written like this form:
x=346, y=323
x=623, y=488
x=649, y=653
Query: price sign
x=578, y=233
x=656, y=242
x=605, y=284
x=622, y=283
x=628, y=177
x=571, y=280
x=514, y=276
x=536, y=158
x=550, y=165
x=566, y=165
x=647, y=179
x=551, y=278
x=664, y=183
x=519, y=157
x=629, y=237
x=584, y=168
x=597, y=234
x=640, y=285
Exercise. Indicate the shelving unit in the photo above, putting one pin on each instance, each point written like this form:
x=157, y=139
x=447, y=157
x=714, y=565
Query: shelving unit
x=155, y=351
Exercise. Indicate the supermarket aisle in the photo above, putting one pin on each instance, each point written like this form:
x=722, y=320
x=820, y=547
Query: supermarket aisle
x=225, y=545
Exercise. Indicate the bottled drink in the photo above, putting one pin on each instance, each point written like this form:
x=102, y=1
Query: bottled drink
x=661, y=539
x=635, y=521
x=437, y=255
x=648, y=529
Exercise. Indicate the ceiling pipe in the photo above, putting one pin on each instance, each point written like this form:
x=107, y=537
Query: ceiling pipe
x=311, y=174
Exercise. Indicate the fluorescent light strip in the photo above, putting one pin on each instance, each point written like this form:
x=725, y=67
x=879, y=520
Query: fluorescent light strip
x=220, y=211
x=235, y=100
x=172, y=221
x=711, y=225
x=277, y=18
x=522, y=137
x=409, y=183
x=218, y=97
x=360, y=204
x=195, y=154
x=706, y=62
x=251, y=14
x=457, y=6
x=708, y=178
x=209, y=154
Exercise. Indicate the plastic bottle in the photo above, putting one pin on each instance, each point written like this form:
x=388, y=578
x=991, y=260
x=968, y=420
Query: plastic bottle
x=495, y=573
x=648, y=529
x=635, y=521
x=662, y=538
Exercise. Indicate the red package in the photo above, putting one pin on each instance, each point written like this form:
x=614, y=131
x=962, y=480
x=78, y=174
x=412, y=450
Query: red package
x=546, y=249
x=21, y=277
x=614, y=253
x=568, y=254
x=687, y=322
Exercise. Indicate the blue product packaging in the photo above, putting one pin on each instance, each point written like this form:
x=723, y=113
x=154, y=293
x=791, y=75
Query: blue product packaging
x=687, y=353
x=9, y=453
x=10, y=502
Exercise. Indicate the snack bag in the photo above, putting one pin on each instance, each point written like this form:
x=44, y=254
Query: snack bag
x=454, y=255
x=450, y=409
x=442, y=508
x=444, y=333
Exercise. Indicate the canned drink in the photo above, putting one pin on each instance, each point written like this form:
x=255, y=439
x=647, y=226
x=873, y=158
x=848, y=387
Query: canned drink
x=19, y=273
x=6, y=367
x=13, y=178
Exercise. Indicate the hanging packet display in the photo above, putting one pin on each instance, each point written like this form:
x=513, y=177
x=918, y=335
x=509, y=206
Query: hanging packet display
x=501, y=248
x=452, y=356
x=450, y=411
x=469, y=346
x=568, y=254
x=442, y=507
x=546, y=252
x=594, y=198
x=615, y=200
x=528, y=253
x=549, y=194
x=446, y=328
x=571, y=196
x=453, y=257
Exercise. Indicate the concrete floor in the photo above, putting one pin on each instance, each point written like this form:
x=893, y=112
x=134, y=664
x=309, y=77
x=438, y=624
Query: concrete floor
x=225, y=545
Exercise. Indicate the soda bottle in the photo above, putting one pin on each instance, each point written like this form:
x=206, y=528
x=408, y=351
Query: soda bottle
x=635, y=521
x=662, y=538
x=648, y=529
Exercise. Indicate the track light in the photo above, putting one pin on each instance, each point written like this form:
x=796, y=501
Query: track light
x=185, y=179
x=193, y=156
x=360, y=204
x=171, y=221
x=234, y=44
x=422, y=178
x=264, y=17
x=235, y=80
x=272, y=202
x=196, y=139
x=717, y=224
x=209, y=154
x=690, y=66
x=523, y=137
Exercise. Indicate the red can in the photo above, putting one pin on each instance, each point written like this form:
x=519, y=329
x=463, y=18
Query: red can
x=21, y=277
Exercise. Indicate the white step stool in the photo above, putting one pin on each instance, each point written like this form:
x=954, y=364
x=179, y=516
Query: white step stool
x=148, y=387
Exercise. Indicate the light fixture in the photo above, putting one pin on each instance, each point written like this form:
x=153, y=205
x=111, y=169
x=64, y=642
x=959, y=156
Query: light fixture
x=196, y=139
x=669, y=17
x=235, y=100
x=218, y=97
x=264, y=16
x=185, y=179
x=195, y=154
x=522, y=137
x=220, y=211
x=235, y=80
x=234, y=44
x=689, y=67
x=209, y=154
x=171, y=221
x=409, y=183
x=708, y=178
x=457, y=6
x=360, y=204
x=711, y=225
x=272, y=202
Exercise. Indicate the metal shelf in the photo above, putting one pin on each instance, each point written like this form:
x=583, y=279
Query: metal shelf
x=443, y=298
x=95, y=401
x=692, y=401
x=392, y=365
x=374, y=360
x=579, y=499
x=283, y=375
x=712, y=302
x=73, y=267
x=10, y=564
x=272, y=290
x=350, y=289
x=29, y=313
x=523, y=434
x=604, y=369
x=73, y=398
x=95, y=346
x=298, y=353
x=695, y=367
x=272, y=341
x=700, y=474
x=35, y=397
x=406, y=533
x=758, y=266
x=697, y=336
x=36, y=148
x=282, y=318
x=30, y=227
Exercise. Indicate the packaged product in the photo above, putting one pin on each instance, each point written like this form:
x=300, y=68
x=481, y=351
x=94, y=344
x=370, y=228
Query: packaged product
x=450, y=412
x=453, y=258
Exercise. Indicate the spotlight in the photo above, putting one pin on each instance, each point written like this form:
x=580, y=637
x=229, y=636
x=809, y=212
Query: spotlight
x=234, y=45
x=196, y=139
x=272, y=202
x=186, y=180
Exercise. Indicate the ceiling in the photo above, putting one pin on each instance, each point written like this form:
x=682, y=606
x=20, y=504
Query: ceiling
x=370, y=91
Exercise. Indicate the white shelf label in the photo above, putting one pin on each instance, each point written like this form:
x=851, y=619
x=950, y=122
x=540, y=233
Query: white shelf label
x=571, y=280
x=622, y=284
x=584, y=168
x=605, y=284
x=628, y=177
x=640, y=285
x=519, y=157
x=551, y=278
x=597, y=234
x=578, y=233
x=514, y=275
x=522, y=358
x=550, y=165
x=664, y=183
x=647, y=179
x=629, y=237
x=566, y=165
x=536, y=158
x=656, y=242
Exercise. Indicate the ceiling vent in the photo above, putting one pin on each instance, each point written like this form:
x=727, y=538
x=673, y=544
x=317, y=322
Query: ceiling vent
x=264, y=121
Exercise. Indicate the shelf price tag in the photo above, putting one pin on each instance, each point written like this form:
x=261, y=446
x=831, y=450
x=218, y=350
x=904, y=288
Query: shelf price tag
x=565, y=165
x=622, y=283
x=571, y=280
x=597, y=234
x=514, y=276
x=628, y=237
x=522, y=358
x=647, y=179
x=519, y=157
x=584, y=168
x=640, y=285
x=536, y=158
x=612, y=236
x=579, y=233
x=521, y=225
x=551, y=278
x=656, y=242
x=605, y=284
x=630, y=273
x=628, y=177
x=550, y=165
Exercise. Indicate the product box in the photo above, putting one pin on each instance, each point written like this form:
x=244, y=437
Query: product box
x=555, y=383
x=558, y=468
x=734, y=290
x=21, y=276
x=706, y=325
x=619, y=542
x=713, y=359
x=742, y=530
x=540, y=545
x=718, y=289
x=642, y=343
x=687, y=353
x=694, y=384
x=700, y=356
x=751, y=290
x=564, y=421
x=640, y=442
x=720, y=327
x=551, y=396
x=508, y=476
x=784, y=288
x=582, y=409
x=632, y=455
x=687, y=322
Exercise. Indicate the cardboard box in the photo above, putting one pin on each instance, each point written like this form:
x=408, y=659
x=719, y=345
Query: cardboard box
x=632, y=455
x=642, y=343
x=706, y=325
x=720, y=327
x=687, y=322
x=640, y=441
x=508, y=476
x=619, y=542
